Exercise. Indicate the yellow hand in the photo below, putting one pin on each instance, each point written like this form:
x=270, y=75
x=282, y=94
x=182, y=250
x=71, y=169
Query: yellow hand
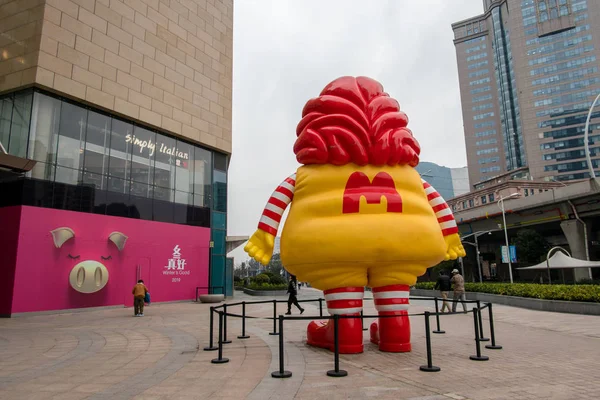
x=454, y=247
x=260, y=246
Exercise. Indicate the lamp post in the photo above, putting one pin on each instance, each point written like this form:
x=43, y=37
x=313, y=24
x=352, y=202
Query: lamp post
x=586, y=141
x=476, y=244
x=501, y=205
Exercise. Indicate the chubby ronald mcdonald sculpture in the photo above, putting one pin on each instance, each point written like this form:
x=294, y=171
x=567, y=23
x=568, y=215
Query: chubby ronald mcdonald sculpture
x=360, y=216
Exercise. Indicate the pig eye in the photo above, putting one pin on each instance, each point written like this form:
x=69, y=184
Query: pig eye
x=73, y=257
x=106, y=258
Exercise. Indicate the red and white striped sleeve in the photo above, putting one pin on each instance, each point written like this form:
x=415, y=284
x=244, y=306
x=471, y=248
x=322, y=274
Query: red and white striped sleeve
x=442, y=212
x=278, y=202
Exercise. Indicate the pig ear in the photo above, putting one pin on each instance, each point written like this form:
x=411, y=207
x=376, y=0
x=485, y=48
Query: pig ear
x=61, y=235
x=118, y=239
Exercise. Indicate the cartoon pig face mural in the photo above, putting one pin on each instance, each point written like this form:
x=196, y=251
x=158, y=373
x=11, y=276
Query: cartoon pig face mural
x=88, y=276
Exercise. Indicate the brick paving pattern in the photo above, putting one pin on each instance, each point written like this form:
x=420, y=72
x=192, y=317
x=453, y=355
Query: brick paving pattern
x=108, y=354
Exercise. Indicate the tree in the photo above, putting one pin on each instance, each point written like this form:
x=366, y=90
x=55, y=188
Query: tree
x=447, y=266
x=241, y=271
x=530, y=246
x=275, y=266
x=254, y=265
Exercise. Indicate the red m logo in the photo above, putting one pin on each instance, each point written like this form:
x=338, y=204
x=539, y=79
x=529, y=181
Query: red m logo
x=359, y=185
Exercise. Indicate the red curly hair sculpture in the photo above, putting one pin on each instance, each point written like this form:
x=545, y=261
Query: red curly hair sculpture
x=355, y=121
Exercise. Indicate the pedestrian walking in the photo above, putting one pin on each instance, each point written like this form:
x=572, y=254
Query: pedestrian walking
x=458, y=283
x=293, y=292
x=139, y=295
x=443, y=285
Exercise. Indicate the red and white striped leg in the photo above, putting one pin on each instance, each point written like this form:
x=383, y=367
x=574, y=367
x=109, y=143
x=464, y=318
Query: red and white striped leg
x=391, y=333
x=340, y=301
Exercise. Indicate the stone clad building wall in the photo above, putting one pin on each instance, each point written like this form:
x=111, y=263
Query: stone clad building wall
x=165, y=63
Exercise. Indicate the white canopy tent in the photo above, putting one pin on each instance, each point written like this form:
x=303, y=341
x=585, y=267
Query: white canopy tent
x=562, y=261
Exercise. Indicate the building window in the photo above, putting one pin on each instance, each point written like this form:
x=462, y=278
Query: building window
x=464, y=205
x=483, y=199
x=202, y=177
x=220, y=182
x=542, y=6
x=15, y=118
x=71, y=137
x=96, y=153
x=471, y=203
x=491, y=196
x=526, y=192
x=93, y=162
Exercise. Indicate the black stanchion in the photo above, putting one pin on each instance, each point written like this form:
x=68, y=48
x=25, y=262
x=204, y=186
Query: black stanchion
x=320, y=307
x=220, y=359
x=336, y=372
x=274, y=318
x=210, y=346
x=482, y=338
x=477, y=357
x=492, y=346
x=225, y=341
x=243, y=335
x=429, y=367
x=362, y=321
x=281, y=373
x=437, y=317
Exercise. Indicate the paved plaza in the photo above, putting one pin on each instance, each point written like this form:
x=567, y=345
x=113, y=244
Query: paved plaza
x=109, y=354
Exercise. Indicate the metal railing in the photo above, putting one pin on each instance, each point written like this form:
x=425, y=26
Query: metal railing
x=223, y=311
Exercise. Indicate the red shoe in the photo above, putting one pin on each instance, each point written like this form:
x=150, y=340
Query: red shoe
x=340, y=301
x=392, y=334
x=320, y=334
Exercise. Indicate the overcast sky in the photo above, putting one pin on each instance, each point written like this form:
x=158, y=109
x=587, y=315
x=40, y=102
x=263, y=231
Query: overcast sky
x=286, y=51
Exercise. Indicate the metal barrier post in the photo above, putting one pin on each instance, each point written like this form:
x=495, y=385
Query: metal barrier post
x=281, y=373
x=362, y=321
x=429, y=367
x=243, y=335
x=274, y=318
x=492, y=346
x=481, y=337
x=220, y=359
x=477, y=357
x=320, y=307
x=437, y=317
x=210, y=346
x=336, y=372
x=225, y=341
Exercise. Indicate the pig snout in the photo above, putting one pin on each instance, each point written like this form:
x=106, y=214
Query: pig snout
x=88, y=276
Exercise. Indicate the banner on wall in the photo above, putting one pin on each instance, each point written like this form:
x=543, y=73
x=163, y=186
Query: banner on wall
x=176, y=266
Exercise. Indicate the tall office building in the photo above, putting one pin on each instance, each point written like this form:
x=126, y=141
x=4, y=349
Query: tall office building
x=125, y=107
x=528, y=72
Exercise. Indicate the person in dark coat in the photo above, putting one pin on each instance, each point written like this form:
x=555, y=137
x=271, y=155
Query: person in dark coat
x=443, y=285
x=293, y=292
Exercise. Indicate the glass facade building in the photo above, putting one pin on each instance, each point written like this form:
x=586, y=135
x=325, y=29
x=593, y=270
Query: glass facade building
x=91, y=161
x=542, y=60
x=449, y=182
x=117, y=122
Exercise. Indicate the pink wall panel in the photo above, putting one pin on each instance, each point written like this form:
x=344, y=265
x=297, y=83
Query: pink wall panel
x=9, y=240
x=42, y=272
